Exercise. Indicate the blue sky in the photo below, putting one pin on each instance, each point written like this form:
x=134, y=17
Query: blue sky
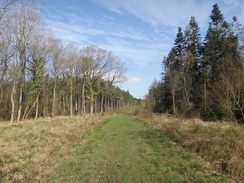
x=140, y=32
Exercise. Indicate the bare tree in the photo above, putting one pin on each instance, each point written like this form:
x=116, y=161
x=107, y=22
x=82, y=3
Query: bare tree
x=228, y=91
x=70, y=56
x=5, y=5
x=6, y=49
x=174, y=79
x=25, y=23
x=187, y=61
x=56, y=56
x=99, y=64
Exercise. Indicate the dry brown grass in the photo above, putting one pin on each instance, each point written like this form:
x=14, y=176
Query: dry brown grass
x=222, y=144
x=30, y=151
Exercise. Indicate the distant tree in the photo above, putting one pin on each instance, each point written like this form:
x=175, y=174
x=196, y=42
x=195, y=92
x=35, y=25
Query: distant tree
x=154, y=97
x=99, y=64
x=56, y=56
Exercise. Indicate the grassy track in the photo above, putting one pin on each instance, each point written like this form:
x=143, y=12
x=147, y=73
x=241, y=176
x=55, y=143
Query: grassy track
x=122, y=149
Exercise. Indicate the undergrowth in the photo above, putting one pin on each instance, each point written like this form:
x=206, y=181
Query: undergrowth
x=30, y=151
x=220, y=143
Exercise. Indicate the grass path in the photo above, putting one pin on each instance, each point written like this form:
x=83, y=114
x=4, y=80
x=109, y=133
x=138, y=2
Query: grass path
x=122, y=149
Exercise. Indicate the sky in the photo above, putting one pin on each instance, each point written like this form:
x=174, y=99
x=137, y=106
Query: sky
x=140, y=32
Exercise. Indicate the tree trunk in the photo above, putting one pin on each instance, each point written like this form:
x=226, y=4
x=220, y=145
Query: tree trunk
x=12, y=102
x=83, y=107
x=173, y=100
x=91, y=104
x=95, y=106
x=71, y=97
x=108, y=104
x=37, y=108
x=117, y=101
x=54, y=98
x=112, y=105
x=20, y=105
x=27, y=112
x=101, y=107
x=186, y=94
x=105, y=104
x=205, y=96
x=76, y=104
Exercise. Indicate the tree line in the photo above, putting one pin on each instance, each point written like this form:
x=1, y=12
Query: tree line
x=42, y=76
x=203, y=78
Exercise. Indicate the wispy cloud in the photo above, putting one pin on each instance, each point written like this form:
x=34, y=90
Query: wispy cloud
x=131, y=43
x=133, y=81
x=172, y=13
x=159, y=12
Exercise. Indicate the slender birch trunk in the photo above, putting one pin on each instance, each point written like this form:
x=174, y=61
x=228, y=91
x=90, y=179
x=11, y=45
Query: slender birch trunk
x=20, y=105
x=54, y=98
x=71, y=97
x=83, y=99
x=101, y=107
x=12, y=102
x=91, y=104
x=37, y=108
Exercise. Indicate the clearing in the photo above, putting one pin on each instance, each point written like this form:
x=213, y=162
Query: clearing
x=123, y=149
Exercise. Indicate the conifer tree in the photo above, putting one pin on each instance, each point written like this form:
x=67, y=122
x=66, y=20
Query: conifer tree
x=178, y=49
x=214, y=44
x=194, y=53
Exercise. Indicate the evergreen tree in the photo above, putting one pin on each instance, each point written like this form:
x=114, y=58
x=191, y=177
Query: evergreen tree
x=214, y=44
x=193, y=38
x=203, y=78
x=178, y=50
x=194, y=54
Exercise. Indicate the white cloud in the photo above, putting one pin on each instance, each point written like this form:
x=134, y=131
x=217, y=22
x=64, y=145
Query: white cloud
x=133, y=81
x=160, y=12
x=130, y=43
x=173, y=13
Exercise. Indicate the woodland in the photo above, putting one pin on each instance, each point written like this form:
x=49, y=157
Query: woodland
x=54, y=89
x=42, y=76
x=203, y=78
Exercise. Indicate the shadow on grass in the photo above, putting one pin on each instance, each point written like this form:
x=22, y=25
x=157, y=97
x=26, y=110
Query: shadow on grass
x=155, y=138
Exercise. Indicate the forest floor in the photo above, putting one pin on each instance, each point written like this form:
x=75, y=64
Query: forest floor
x=108, y=148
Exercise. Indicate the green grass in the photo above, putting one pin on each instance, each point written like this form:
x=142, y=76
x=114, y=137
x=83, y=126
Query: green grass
x=123, y=149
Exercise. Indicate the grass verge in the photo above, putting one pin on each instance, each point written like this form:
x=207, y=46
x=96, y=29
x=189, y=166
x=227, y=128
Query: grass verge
x=222, y=144
x=30, y=151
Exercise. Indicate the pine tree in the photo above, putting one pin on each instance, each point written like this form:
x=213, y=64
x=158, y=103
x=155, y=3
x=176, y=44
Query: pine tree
x=193, y=38
x=178, y=49
x=214, y=44
x=194, y=52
